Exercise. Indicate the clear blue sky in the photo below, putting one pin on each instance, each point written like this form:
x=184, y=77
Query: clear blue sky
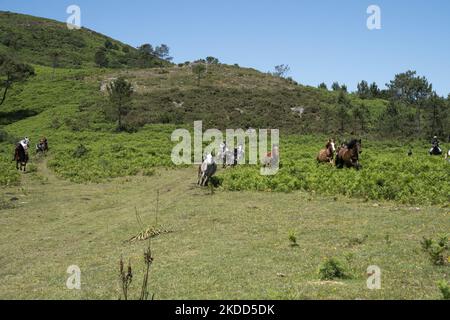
x=322, y=40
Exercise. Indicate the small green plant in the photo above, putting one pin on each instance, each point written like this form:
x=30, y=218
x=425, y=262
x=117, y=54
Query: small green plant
x=332, y=269
x=293, y=239
x=438, y=250
x=445, y=289
x=426, y=243
x=387, y=239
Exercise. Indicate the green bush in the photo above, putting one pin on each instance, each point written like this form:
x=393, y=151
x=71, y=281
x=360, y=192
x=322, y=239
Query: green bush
x=332, y=269
x=444, y=287
x=437, y=249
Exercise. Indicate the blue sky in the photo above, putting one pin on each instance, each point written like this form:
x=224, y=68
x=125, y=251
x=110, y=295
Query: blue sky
x=322, y=40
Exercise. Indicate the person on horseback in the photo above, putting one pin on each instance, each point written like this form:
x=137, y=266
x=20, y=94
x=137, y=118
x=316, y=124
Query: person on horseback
x=25, y=142
x=435, y=148
x=21, y=153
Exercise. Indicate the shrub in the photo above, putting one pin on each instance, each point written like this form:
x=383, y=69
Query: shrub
x=444, y=287
x=332, y=269
x=293, y=239
x=437, y=250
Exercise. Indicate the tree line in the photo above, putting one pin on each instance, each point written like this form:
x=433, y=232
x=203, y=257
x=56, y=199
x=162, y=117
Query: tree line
x=413, y=108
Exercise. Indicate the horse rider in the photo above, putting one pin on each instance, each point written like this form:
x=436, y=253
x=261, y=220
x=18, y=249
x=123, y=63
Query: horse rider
x=209, y=159
x=25, y=144
x=223, y=152
x=435, y=144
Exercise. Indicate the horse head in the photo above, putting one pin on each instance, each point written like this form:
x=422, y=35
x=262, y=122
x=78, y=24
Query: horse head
x=331, y=146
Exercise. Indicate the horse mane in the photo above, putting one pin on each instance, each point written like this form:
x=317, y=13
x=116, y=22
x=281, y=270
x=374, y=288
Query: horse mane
x=352, y=143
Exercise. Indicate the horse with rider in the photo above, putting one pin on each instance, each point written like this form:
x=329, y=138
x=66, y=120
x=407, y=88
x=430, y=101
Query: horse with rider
x=21, y=155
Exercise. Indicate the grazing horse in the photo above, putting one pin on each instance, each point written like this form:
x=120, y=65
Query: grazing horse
x=42, y=146
x=206, y=170
x=327, y=154
x=348, y=155
x=21, y=157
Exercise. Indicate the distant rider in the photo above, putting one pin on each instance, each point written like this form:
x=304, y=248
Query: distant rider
x=25, y=144
x=435, y=144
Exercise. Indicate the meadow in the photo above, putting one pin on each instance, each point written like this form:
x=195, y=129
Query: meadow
x=226, y=245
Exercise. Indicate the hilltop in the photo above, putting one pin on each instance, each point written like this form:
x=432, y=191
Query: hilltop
x=227, y=96
x=50, y=43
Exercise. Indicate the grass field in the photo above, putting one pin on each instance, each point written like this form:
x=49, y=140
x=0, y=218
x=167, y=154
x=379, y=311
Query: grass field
x=226, y=245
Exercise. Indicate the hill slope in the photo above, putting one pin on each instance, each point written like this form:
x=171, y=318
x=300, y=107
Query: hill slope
x=35, y=40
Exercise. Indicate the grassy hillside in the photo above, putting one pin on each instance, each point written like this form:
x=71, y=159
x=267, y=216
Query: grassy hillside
x=35, y=40
x=235, y=97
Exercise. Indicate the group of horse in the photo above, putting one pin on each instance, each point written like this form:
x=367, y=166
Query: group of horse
x=346, y=155
x=231, y=159
x=21, y=156
x=209, y=166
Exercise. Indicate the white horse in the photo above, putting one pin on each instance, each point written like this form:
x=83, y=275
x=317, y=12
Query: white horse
x=206, y=170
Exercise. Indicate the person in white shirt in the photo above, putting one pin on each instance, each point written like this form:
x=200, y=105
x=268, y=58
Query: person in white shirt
x=25, y=144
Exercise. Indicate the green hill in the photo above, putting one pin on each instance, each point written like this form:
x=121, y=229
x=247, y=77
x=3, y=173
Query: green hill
x=68, y=104
x=228, y=96
x=37, y=40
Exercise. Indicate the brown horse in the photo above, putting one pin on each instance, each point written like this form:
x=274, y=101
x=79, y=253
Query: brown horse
x=42, y=146
x=348, y=155
x=21, y=157
x=327, y=154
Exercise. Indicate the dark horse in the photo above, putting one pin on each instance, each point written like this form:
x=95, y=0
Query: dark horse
x=21, y=157
x=436, y=151
x=348, y=155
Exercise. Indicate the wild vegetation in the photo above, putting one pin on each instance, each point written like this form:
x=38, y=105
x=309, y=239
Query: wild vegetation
x=387, y=173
